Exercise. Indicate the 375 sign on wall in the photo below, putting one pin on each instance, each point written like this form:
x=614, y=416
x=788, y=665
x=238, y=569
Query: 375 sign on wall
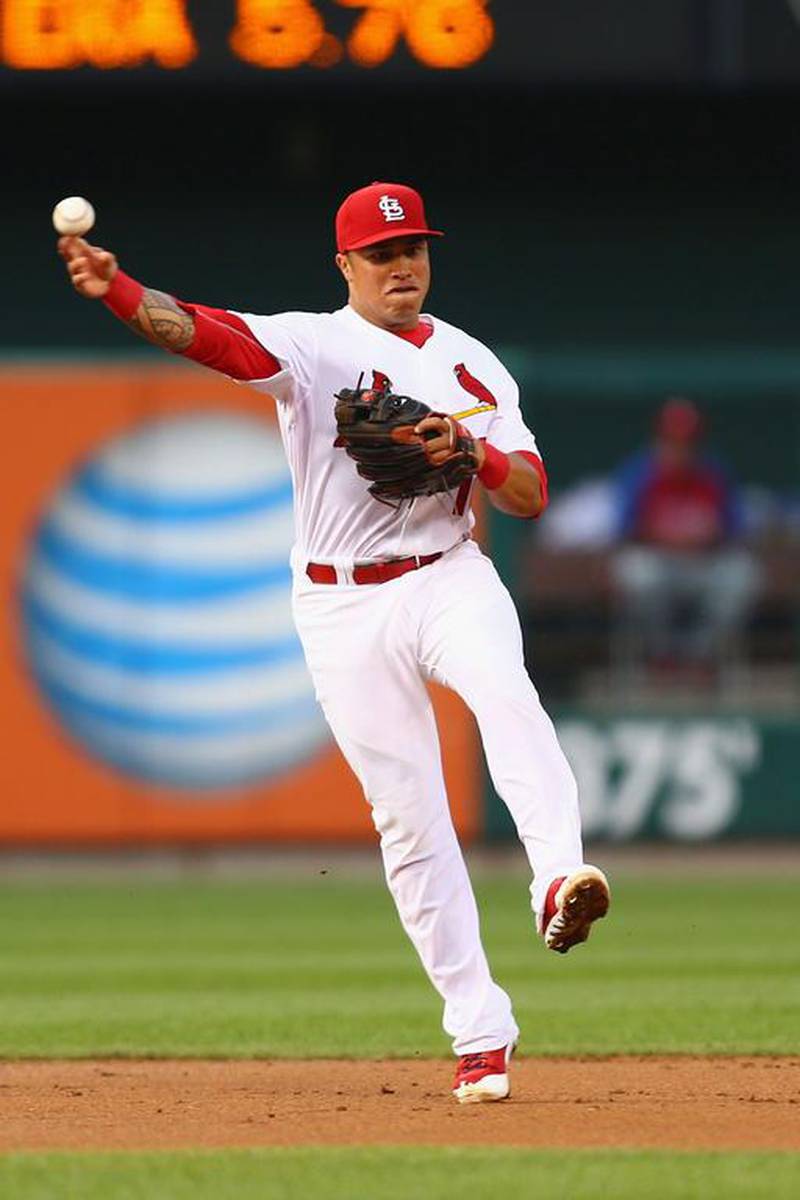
x=687, y=779
x=683, y=780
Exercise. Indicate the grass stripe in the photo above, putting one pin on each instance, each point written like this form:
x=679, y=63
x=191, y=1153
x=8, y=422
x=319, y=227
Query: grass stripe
x=394, y=1173
x=320, y=967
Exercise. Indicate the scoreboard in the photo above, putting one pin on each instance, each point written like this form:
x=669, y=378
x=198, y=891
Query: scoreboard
x=518, y=42
x=273, y=35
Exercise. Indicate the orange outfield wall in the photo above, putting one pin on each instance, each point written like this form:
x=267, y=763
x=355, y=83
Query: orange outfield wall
x=51, y=791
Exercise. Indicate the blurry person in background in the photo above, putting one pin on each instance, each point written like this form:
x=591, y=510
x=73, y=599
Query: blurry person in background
x=685, y=583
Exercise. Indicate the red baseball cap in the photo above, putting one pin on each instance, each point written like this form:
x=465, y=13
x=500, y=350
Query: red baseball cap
x=679, y=420
x=378, y=213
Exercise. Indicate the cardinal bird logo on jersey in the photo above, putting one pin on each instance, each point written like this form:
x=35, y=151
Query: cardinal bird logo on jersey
x=381, y=382
x=475, y=388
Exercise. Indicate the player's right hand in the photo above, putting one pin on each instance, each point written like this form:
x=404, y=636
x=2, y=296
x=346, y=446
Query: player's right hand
x=90, y=268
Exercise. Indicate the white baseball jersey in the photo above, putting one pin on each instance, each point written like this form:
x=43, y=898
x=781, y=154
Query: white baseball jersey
x=337, y=521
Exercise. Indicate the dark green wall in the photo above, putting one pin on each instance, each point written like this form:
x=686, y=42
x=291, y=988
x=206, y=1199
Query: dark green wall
x=645, y=218
x=532, y=270
x=614, y=246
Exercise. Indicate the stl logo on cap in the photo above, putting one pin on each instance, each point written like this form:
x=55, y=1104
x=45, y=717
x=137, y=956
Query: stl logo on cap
x=391, y=208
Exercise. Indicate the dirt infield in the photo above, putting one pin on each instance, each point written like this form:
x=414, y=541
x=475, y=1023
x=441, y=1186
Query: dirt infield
x=676, y=1102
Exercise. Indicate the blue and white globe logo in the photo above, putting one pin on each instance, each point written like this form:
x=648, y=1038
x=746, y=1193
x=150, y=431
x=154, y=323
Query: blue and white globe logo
x=156, y=606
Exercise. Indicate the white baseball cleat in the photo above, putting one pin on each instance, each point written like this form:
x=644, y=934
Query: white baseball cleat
x=573, y=903
x=483, y=1076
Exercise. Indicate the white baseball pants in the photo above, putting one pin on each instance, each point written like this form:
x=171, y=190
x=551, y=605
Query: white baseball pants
x=370, y=650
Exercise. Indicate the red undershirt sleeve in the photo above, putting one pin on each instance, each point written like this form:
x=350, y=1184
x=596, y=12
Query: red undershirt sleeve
x=221, y=340
x=224, y=342
x=539, y=468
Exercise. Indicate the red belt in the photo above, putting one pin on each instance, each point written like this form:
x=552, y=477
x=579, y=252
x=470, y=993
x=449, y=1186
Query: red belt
x=380, y=572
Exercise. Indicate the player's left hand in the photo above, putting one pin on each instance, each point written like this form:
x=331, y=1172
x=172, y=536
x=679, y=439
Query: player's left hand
x=440, y=446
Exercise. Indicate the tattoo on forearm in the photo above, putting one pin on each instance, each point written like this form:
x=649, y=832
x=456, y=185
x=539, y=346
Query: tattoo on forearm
x=161, y=320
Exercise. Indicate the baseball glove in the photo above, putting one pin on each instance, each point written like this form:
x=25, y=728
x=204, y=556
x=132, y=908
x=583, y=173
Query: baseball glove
x=376, y=428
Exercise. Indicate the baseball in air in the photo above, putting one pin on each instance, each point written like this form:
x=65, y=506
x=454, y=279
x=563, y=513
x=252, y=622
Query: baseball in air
x=73, y=217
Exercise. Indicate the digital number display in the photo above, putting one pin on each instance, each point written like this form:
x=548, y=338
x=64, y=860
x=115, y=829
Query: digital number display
x=518, y=42
x=62, y=35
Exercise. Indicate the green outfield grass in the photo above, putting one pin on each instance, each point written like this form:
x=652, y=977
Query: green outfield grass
x=321, y=967
x=392, y=1173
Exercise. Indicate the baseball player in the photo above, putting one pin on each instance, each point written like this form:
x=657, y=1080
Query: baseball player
x=391, y=593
